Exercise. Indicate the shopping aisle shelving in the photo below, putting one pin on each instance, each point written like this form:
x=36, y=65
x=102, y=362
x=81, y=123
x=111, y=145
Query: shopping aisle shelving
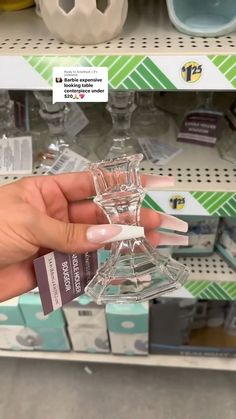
x=206, y=182
x=149, y=54
x=174, y=361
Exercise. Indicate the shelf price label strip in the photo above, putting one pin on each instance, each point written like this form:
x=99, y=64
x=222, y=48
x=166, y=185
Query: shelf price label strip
x=126, y=72
x=212, y=290
x=222, y=204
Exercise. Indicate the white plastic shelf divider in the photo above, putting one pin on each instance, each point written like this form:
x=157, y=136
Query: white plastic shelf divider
x=190, y=362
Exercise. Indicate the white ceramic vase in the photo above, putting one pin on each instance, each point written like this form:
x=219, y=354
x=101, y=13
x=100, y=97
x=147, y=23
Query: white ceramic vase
x=84, y=21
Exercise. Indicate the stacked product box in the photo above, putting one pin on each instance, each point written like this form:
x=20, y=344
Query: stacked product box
x=190, y=327
x=202, y=233
x=23, y=326
x=11, y=324
x=128, y=326
x=170, y=322
x=226, y=244
x=87, y=326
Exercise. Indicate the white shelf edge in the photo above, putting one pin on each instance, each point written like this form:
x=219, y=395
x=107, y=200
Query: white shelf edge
x=174, y=361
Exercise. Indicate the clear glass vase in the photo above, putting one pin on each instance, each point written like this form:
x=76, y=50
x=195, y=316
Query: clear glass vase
x=148, y=120
x=135, y=271
x=56, y=139
x=121, y=139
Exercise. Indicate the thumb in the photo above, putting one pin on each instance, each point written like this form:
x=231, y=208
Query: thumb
x=79, y=238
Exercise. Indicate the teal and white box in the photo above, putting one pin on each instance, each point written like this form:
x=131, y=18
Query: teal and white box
x=227, y=240
x=20, y=338
x=128, y=327
x=87, y=326
x=10, y=313
x=32, y=311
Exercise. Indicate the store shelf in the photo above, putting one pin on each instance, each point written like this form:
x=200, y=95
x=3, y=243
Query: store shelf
x=202, y=178
x=149, y=54
x=192, y=362
x=211, y=278
x=204, y=181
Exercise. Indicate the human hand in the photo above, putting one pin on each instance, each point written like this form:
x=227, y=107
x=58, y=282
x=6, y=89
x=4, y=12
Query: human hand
x=53, y=212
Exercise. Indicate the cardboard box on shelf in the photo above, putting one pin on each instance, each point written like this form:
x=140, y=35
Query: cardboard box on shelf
x=24, y=327
x=31, y=308
x=128, y=326
x=22, y=338
x=209, y=333
x=10, y=313
x=87, y=326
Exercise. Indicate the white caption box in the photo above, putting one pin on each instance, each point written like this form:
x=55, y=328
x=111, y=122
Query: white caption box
x=80, y=84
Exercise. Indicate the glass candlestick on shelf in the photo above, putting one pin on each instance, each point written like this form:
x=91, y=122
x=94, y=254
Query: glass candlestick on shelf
x=148, y=120
x=121, y=139
x=135, y=271
x=227, y=144
x=205, y=100
x=56, y=139
x=7, y=116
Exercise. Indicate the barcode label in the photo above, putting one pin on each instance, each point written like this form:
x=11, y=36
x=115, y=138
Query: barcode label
x=85, y=313
x=68, y=162
x=76, y=120
x=158, y=151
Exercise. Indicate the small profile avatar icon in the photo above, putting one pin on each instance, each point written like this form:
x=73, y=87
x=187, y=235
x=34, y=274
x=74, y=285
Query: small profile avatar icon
x=58, y=80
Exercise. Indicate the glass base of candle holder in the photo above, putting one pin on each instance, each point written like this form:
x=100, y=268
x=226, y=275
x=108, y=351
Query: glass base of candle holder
x=140, y=274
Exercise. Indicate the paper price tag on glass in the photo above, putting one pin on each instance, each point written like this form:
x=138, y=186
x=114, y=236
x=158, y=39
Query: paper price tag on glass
x=80, y=84
x=16, y=156
x=68, y=162
x=158, y=152
x=76, y=120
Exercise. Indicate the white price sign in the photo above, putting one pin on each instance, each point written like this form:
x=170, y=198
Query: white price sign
x=80, y=84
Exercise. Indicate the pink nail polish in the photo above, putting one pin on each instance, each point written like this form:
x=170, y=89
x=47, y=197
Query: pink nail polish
x=108, y=233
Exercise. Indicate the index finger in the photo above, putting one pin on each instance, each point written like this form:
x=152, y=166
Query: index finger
x=80, y=186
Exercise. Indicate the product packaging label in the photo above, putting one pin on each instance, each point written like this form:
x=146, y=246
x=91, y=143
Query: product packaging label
x=201, y=127
x=16, y=155
x=76, y=120
x=63, y=277
x=68, y=162
x=158, y=152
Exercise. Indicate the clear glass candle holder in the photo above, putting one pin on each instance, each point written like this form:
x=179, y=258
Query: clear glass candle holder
x=135, y=271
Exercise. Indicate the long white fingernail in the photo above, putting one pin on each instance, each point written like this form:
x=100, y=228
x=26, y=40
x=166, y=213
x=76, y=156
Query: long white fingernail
x=172, y=223
x=154, y=182
x=108, y=233
x=173, y=240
